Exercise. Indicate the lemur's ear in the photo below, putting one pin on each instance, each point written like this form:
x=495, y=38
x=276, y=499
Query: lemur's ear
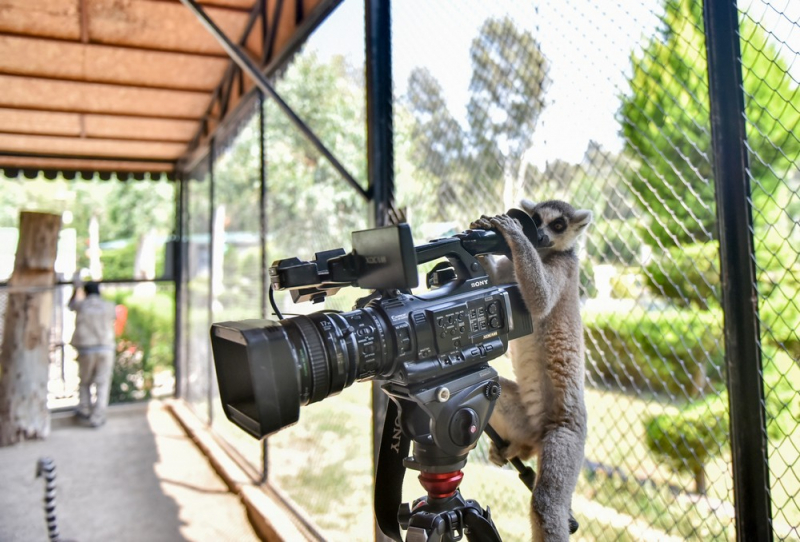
x=527, y=206
x=581, y=218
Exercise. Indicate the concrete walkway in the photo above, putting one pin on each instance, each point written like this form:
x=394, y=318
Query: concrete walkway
x=137, y=478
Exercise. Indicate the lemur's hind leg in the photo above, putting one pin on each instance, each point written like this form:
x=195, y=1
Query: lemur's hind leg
x=559, y=465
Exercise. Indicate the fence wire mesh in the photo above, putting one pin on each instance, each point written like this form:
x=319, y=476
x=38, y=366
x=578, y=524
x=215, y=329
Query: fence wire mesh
x=606, y=106
x=324, y=463
x=196, y=350
x=770, y=42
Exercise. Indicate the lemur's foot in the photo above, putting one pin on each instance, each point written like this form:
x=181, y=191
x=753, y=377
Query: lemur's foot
x=501, y=456
x=497, y=455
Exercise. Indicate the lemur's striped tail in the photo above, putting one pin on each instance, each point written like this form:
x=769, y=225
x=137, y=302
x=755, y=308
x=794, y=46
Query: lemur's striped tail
x=46, y=468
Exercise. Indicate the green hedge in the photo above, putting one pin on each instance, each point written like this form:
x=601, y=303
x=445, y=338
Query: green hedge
x=690, y=437
x=679, y=351
x=688, y=275
x=699, y=431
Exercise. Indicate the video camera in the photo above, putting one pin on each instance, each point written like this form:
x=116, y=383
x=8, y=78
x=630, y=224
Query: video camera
x=429, y=350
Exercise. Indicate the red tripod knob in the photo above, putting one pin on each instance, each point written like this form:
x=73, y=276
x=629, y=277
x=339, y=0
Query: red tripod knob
x=440, y=485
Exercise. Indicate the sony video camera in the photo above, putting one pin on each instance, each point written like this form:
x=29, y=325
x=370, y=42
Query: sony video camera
x=432, y=348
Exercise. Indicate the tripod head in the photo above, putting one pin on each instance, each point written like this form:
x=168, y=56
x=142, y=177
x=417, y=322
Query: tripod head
x=443, y=419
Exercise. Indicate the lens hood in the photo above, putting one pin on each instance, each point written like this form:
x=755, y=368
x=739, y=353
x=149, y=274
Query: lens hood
x=258, y=374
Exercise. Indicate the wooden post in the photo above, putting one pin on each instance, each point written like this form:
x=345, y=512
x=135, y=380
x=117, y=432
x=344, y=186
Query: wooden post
x=24, y=358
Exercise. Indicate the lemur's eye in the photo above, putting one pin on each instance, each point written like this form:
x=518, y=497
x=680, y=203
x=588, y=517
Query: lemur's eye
x=558, y=225
x=537, y=220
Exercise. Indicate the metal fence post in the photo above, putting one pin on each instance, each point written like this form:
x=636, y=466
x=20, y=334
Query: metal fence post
x=380, y=157
x=262, y=213
x=737, y=260
x=177, y=272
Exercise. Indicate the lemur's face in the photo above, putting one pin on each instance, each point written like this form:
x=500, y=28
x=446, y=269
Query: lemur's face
x=560, y=222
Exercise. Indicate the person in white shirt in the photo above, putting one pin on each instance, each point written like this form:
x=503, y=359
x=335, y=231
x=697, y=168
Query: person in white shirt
x=94, y=340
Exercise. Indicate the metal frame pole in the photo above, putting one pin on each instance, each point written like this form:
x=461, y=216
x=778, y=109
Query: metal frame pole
x=263, y=226
x=737, y=257
x=210, y=372
x=380, y=157
x=177, y=270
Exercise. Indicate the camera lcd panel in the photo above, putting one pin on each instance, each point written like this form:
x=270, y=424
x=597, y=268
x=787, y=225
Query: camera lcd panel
x=388, y=257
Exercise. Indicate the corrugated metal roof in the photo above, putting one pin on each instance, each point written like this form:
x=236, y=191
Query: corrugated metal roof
x=128, y=85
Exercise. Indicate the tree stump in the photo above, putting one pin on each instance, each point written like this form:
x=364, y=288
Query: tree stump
x=24, y=358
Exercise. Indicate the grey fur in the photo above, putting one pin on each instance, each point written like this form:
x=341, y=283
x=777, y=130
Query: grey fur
x=543, y=413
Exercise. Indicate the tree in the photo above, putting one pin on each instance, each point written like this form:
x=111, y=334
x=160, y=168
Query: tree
x=506, y=99
x=665, y=120
x=507, y=94
x=303, y=187
x=26, y=335
x=438, y=143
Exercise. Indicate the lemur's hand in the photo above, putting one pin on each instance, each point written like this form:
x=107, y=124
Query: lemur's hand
x=481, y=224
x=510, y=228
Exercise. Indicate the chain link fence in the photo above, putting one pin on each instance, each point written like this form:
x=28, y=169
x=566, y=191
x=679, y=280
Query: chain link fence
x=604, y=105
x=327, y=456
x=607, y=107
x=770, y=42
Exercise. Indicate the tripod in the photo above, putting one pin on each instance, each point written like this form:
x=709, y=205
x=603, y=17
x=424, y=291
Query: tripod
x=444, y=421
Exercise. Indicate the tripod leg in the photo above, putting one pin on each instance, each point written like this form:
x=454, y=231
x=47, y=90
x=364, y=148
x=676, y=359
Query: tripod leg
x=480, y=528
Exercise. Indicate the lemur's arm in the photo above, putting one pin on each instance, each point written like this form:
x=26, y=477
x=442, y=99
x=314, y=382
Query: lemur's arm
x=542, y=285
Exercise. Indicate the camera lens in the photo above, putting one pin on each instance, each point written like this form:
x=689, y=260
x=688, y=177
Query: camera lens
x=267, y=370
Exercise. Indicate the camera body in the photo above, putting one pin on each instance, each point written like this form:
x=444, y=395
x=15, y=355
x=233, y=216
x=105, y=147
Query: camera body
x=431, y=351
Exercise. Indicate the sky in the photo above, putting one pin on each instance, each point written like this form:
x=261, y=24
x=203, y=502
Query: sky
x=588, y=44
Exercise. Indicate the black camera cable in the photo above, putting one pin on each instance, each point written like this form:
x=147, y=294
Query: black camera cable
x=274, y=305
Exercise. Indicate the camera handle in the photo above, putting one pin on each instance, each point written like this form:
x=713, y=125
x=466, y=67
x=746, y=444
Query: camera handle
x=444, y=429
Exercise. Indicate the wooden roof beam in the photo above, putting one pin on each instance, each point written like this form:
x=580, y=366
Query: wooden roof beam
x=76, y=97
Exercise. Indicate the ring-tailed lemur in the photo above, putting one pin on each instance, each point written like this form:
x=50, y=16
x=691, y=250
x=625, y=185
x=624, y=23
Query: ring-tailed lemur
x=543, y=412
x=46, y=468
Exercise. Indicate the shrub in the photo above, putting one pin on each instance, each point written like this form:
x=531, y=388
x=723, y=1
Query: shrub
x=614, y=242
x=118, y=263
x=146, y=344
x=665, y=351
x=779, y=309
x=587, y=284
x=689, y=275
x=690, y=437
x=627, y=285
x=781, y=378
